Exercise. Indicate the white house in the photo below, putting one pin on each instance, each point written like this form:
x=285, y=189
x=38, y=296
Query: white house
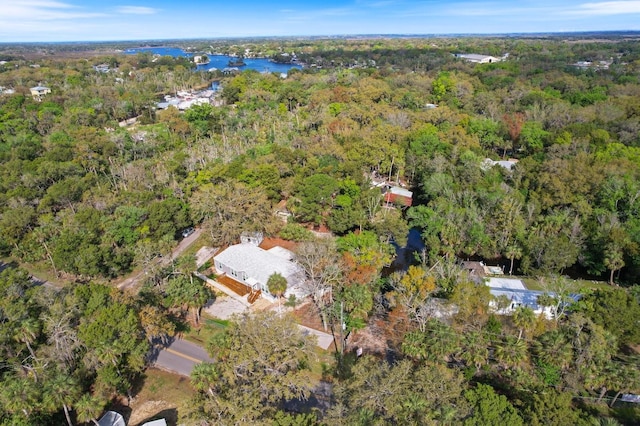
x=478, y=59
x=252, y=266
x=509, y=164
x=39, y=91
x=518, y=294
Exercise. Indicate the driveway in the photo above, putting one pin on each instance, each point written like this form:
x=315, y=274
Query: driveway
x=180, y=357
x=134, y=280
x=225, y=307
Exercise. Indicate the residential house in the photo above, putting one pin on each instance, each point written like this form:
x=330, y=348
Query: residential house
x=518, y=295
x=478, y=59
x=478, y=270
x=251, y=266
x=6, y=91
x=509, y=164
x=39, y=91
x=104, y=68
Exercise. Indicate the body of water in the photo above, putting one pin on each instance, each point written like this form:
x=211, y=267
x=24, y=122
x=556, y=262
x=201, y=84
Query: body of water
x=218, y=61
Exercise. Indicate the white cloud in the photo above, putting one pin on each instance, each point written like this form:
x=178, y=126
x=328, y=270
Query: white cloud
x=41, y=10
x=608, y=8
x=137, y=10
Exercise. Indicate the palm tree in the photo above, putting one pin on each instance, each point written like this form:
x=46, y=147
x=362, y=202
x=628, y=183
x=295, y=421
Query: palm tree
x=511, y=352
x=18, y=396
x=28, y=332
x=523, y=318
x=475, y=350
x=88, y=408
x=555, y=349
x=277, y=285
x=61, y=390
x=513, y=252
x=203, y=376
x=441, y=341
x=414, y=345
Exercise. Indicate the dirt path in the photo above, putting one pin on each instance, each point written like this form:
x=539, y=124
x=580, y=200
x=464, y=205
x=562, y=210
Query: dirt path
x=134, y=280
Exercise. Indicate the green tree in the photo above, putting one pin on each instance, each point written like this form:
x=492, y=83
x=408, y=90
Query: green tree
x=262, y=360
x=61, y=390
x=489, y=408
x=88, y=408
x=277, y=285
x=524, y=318
x=549, y=407
x=186, y=292
x=315, y=195
x=472, y=301
x=615, y=310
x=400, y=393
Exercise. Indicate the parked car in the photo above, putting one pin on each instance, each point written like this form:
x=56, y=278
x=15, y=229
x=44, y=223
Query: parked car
x=188, y=231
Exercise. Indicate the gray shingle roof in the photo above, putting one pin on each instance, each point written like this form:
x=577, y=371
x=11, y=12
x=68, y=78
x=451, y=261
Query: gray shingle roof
x=259, y=264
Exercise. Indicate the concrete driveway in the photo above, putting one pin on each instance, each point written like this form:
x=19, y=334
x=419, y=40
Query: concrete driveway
x=225, y=307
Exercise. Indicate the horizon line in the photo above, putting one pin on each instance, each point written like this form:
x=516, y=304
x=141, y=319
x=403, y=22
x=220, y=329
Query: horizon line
x=361, y=35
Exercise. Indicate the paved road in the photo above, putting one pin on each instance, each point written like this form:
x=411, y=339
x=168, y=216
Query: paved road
x=133, y=280
x=180, y=357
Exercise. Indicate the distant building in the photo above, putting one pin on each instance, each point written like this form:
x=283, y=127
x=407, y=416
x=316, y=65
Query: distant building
x=478, y=270
x=478, y=59
x=398, y=196
x=39, y=91
x=6, y=91
x=487, y=163
x=102, y=68
x=597, y=65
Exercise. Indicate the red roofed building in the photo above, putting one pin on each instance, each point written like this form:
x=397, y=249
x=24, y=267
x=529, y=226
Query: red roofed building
x=398, y=196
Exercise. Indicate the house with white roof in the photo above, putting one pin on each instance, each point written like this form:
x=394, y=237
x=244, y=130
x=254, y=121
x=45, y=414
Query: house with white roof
x=39, y=91
x=478, y=59
x=251, y=266
x=518, y=295
x=509, y=164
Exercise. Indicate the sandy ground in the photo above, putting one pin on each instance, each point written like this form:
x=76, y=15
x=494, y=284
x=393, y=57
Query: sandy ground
x=224, y=308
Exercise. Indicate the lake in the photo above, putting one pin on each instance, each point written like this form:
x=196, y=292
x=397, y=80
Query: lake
x=218, y=61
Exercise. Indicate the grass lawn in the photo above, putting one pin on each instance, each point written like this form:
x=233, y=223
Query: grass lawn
x=161, y=395
x=534, y=284
x=200, y=242
x=207, y=328
x=41, y=271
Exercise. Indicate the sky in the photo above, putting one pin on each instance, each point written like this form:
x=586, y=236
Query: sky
x=96, y=20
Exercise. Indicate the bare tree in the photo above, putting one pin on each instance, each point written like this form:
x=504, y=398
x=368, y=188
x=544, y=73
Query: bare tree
x=320, y=262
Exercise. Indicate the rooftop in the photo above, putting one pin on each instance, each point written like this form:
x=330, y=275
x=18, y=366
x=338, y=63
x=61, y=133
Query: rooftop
x=258, y=263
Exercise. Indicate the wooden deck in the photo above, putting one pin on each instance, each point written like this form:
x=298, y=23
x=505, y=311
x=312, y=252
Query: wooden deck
x=235, y=286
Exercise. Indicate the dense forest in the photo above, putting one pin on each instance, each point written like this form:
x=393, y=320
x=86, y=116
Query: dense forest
x=86, y=200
